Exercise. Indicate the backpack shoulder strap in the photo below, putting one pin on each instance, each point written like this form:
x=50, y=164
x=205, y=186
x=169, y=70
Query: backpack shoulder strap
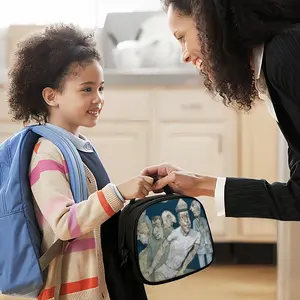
x=72, y=157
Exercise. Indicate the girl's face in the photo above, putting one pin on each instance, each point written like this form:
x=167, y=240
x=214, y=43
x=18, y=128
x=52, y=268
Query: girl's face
x=82, y=98
x=185, y=31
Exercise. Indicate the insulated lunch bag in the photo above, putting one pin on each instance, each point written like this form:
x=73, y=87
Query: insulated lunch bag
x=165, y=237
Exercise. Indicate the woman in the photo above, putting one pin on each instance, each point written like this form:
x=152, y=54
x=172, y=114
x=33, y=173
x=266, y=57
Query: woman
x=245, y=49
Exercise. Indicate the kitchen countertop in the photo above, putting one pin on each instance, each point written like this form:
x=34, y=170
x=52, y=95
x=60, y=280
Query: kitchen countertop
x=152, y=77
x=149, y=77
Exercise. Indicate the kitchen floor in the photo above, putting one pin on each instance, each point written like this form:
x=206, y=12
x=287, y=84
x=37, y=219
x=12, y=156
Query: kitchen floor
x=217, y=283
x=221, y=283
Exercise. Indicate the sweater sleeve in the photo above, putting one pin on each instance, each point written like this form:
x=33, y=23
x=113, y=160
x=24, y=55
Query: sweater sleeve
x=51, y=190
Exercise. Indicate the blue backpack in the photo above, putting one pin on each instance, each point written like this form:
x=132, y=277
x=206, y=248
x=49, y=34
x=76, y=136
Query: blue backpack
x=21, y=263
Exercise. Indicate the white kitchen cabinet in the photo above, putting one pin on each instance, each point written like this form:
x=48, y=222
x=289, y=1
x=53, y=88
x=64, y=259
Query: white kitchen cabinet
x=3, y=49
x=258, y=153
x=198, y=134
x=122, y=136
x=197, y=123
x=126, y=104
x=199, y=148
x=140, y=127
x=193, y=115
x=122, y=147
x=188, y=128
x=7, y=129
x=4, y=111
x=15, y=34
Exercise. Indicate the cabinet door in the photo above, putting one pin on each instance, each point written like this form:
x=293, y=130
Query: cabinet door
x=122, y=147
x=15, y=34
x=4, y=109
x=8, y=129
x=201, y=148
x=259, y=144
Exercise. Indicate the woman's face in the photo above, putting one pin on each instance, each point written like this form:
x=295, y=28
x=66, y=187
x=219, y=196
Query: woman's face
x=185, y=31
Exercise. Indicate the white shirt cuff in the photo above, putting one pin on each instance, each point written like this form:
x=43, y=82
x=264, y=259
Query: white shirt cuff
x=118, y=193
x=220, y=196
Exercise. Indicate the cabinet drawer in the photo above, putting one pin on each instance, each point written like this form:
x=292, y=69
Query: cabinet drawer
x=189, y=105
x=6, y=130
x=126, y=104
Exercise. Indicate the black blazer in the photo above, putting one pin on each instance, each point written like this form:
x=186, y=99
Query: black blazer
x=259, y=198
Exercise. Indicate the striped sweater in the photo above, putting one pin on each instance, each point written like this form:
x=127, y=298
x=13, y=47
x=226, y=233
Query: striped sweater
x=59, y=217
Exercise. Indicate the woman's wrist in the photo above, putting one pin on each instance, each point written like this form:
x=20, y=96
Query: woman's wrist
x=206, y=185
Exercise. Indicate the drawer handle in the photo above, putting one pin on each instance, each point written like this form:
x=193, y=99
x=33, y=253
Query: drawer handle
x=191, y=106
x=220, y=143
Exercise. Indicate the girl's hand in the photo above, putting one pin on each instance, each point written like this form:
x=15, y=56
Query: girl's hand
x=137, y=187
x=181, y=181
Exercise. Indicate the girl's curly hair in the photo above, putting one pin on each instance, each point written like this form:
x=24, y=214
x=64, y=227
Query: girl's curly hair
x=43, y=60
x=229, y=30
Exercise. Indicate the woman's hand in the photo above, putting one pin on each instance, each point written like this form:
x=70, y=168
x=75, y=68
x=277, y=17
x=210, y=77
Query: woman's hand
x=181, y=181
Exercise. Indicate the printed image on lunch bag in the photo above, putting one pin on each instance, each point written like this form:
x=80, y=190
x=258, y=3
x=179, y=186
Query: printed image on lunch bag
x=173, y=240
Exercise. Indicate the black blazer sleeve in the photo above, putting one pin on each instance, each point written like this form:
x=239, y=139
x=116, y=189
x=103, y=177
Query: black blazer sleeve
x=259, y=198
x=250, y=198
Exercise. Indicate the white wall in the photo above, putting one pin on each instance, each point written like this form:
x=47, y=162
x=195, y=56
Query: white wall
x=87, y=13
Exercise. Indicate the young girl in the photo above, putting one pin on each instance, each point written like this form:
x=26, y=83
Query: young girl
x=56, y=78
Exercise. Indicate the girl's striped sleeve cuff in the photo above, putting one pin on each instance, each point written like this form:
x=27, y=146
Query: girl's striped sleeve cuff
x=109, y=200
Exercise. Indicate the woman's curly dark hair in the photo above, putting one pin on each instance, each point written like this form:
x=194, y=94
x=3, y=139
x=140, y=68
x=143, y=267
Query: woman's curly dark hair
x=228, y=32
x=43, y=60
